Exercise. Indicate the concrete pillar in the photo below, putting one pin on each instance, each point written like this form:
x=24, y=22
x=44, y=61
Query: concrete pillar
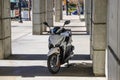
x=5, y=29
x=58, y=10
x=113, y=30
x=38, y=16
x=44, y=28
x=98, y=44
x=118, y=54
x=82, y=16
x=88, y=15
x=49, y=14
x=91, y=32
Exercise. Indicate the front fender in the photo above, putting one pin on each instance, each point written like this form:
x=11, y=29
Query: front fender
x=55, y=50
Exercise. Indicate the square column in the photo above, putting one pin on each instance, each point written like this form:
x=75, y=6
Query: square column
x=44, y=28
x=98, y=37
x=38, y=16
x=113, y=33
x=58, y=10
x=49, y=13
x=5, y=29
x=81, y=7
x=88, y=13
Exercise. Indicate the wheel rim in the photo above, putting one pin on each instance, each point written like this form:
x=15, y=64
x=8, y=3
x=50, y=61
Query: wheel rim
x=53, y=63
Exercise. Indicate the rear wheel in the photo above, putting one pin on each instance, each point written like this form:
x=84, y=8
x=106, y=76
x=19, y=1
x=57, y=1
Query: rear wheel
x=53, y=65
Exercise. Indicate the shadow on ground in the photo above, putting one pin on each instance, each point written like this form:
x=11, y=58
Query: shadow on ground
x=44, y=57
x=76, y=69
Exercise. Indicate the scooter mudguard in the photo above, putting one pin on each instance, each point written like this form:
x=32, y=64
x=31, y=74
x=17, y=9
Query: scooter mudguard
x=55, y=50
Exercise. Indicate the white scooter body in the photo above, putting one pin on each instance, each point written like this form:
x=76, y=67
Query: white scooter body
x=60, y=47
x=58, y=40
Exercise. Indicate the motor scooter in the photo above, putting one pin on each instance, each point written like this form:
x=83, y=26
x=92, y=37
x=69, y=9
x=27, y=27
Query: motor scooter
x=60, y=47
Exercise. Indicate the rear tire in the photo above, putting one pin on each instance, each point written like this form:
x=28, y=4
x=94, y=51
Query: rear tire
x=51, y=63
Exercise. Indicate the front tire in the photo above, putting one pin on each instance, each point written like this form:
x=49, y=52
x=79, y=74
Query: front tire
x=53, y=67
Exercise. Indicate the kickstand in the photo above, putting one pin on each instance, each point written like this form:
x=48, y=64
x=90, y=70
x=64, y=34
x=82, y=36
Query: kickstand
x=68, y=65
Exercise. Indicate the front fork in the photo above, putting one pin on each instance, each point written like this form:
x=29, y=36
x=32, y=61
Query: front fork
x=58, y=60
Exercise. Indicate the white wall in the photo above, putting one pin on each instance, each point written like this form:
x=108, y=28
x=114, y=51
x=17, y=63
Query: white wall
x=113, y=25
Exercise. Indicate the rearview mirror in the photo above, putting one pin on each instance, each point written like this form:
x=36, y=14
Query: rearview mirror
x=45, y=23
x=67, y=22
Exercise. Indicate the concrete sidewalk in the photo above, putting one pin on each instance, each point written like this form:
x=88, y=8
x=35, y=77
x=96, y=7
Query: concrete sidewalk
x=29, y=60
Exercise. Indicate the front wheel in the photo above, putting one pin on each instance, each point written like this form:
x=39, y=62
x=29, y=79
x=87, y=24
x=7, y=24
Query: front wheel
x=53, y=65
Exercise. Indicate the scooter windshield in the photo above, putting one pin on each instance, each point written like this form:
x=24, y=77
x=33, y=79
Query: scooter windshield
x=56, y=39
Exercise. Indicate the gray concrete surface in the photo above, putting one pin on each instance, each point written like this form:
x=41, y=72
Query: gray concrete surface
x=113, y=38
x=28, y=61
x=5, y=37
x=99, y=36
